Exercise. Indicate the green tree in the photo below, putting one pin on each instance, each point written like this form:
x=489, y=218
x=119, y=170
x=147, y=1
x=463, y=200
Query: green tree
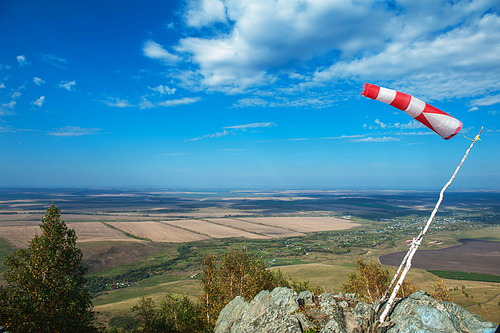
x=176, y=315
x=46, y=283
x=236, y=273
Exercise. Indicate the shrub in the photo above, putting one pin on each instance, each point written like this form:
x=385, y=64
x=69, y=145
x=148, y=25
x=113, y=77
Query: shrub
x=371, y=280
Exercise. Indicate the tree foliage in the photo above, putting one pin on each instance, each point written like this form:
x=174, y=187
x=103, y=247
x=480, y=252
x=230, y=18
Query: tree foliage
x=46, y=283
x=370, y=281
x=440, y=291
x=236, y=273
x=176, y=315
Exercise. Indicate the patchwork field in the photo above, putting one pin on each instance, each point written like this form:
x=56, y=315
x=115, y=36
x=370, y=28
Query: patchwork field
x=96, y=231
x=213, y=230
x=305, y=224
x=158, y=232
x=259, y=228
x=19, y=237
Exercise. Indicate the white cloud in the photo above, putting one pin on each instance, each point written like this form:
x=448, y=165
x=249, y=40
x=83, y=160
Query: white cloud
x=488, y=100
x=73, y=131
x=15, y=94
x=145, y=104
x=39, y=101
x=413, y=124
x=66, y=85
x=435, y=65
x=2, y=85
x=344, y=137
x=371, y=139
x=381, y=124
x=7, y=108
x=253, y=125
x=432, y=48
x=472, y=109
x=118, y=103
x=38, y=81
x=21, y=60
x=54, y=61
x=213, y=135
x=182, y=101
x=6, y=129
x=163, y=90
x=155, y=51
x=249, y=102
x=201, y=13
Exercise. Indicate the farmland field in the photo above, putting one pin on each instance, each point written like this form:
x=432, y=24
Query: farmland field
x=158, y=232
x=213, y=230
x=472, y=256
x=96, y=231
x=156, y=238
x=19, y=237
x=305, y=224
x=258, y=228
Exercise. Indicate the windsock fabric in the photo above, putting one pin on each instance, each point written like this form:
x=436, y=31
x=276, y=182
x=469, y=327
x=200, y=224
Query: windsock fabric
x=438, y=121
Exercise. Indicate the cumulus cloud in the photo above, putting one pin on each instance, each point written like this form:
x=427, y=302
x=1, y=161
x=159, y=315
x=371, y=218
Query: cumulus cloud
x=163, y=90
x=488, y=100
x=7, y=108
x=201, y=13
x=433, y=49
x=21, y=60
x=68, y=85
x=15, y=95
x=155, y=51
x=118, y=103
x=412, y=124
x=145, y=104
x=68, y=131
x=2, y=85
x=38, y=81
x=381, y=124
x=252, y=101
x=39, y=101
x=435, y=65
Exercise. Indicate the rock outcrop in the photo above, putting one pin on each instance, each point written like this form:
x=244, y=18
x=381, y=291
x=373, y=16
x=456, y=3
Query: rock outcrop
x=282, y=310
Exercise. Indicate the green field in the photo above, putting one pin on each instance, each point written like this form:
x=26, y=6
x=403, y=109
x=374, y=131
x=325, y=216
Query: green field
x=466, y=276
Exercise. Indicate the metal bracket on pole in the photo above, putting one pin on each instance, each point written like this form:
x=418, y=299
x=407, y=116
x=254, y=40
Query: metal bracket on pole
x=406, y=263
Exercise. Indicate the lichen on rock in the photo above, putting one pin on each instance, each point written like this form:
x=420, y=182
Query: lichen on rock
x=283, y=311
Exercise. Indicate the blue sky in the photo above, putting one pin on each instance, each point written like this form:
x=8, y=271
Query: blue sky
x=245, y=93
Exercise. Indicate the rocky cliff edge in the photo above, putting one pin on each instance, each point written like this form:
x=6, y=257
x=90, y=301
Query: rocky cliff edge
x=282, y=310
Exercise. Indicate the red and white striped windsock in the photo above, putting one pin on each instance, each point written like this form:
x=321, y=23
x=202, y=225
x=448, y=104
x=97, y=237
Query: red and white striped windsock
x=438, y=121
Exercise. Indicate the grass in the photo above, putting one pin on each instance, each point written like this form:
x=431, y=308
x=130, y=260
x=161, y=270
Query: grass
x=485, y=293
x=118, y=303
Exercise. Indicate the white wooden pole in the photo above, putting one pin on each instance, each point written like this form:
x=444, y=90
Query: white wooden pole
x=418, y=240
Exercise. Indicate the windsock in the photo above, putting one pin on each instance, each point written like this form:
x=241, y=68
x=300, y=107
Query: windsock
x=438, y=121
